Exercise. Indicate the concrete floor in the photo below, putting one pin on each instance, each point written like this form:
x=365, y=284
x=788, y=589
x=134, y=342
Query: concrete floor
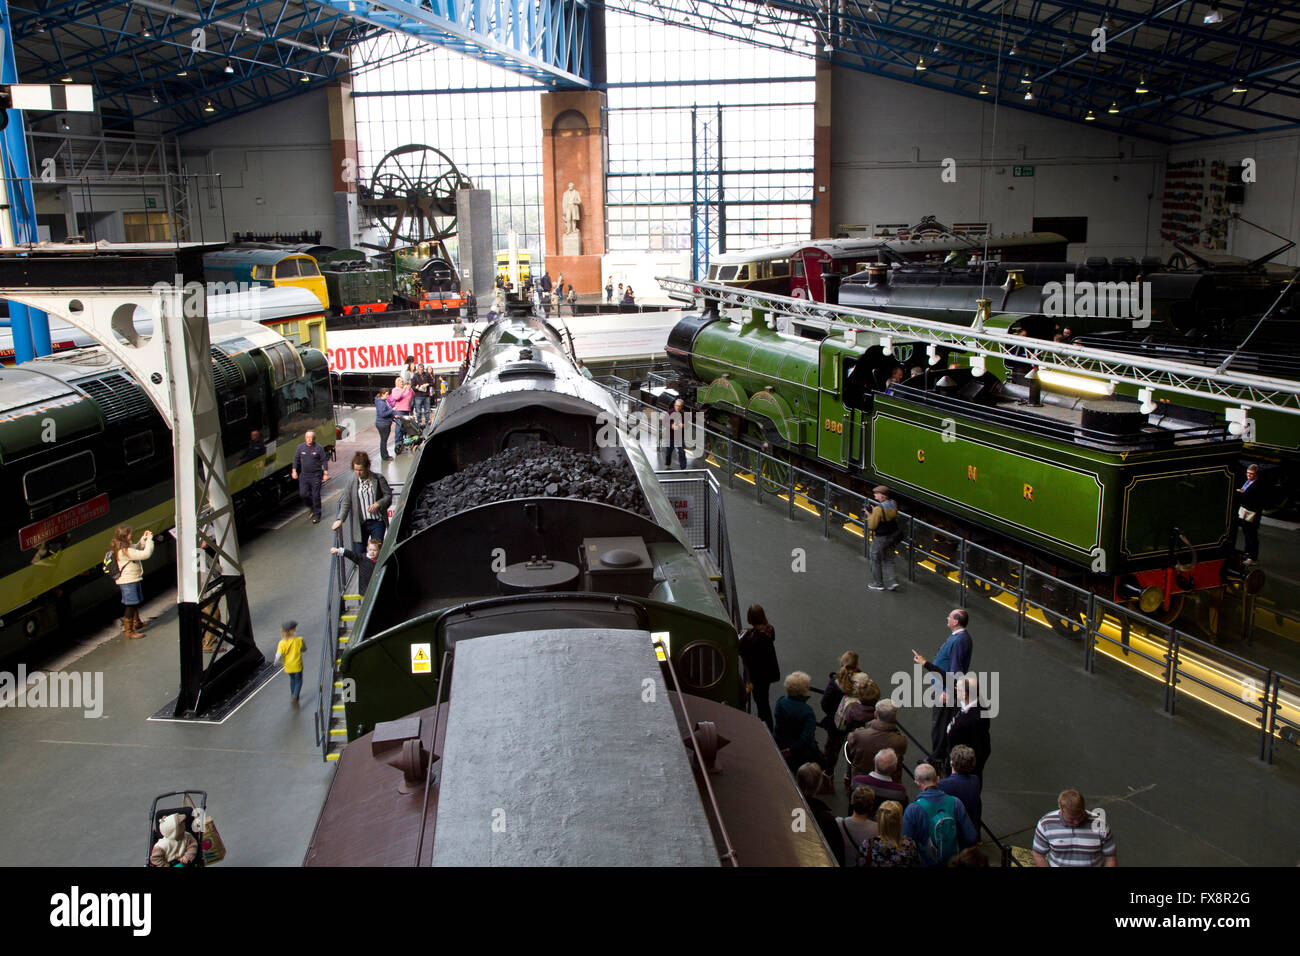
x=1178, y=791
x=263, y=773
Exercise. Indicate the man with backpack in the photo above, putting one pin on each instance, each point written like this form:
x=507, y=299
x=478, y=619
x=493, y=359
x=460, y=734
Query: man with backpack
x=883, y=524
x=936, y=822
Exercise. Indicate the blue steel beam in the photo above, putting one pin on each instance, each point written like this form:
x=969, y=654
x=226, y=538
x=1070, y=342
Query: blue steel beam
x=546, y=40
x=270, y=45
x=30, y=327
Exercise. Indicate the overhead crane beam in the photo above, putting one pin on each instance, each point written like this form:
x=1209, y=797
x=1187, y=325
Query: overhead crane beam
x=548, y=41
x=1233, y=388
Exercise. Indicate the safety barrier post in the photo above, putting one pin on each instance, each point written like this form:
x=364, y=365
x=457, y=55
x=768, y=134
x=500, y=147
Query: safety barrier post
x=866, y=535
x=1248, y=619
x=758, y=476
x=1265, y=718
x=826, y=509
x=1272, y=711
x=961, y=573
x=1020, y=602
x=731, y=466
x=1172, y=675
x=1090, y=635
x=789, y=489
x=911, y=549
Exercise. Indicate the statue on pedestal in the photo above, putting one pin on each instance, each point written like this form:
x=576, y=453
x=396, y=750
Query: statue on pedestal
x=571, y=208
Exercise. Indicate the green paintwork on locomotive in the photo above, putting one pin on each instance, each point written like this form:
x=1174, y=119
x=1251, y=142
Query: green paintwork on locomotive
x=1109, y=511
x=767, y=376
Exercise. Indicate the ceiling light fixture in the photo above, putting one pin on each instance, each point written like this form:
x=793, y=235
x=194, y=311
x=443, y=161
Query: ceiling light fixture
x=1012, y=51
x=67, y=78
x=984, y=90
x=146, y=33
x=1114, y=107
x=324, y=46
x=1215, y=15
x=155, y=96
x=229, y=67
x=1142, y=85
x=1029, y=94
x=63, y=124
x=182, y=72
x=1091, y=117
x=828, y=49
x=208, y=107
x=1239, y=86
x=243, y=24
x=920, y=64
x=304, y=78
x=1024, y=77
x=938, y=47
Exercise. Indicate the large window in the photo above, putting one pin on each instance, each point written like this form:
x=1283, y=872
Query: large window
x=710, y=140
x=485, y=119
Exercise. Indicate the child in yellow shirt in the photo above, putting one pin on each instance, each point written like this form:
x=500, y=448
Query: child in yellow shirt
x=290, y=648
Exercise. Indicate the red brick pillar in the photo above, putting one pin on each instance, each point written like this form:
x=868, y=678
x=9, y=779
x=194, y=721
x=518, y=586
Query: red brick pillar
x=574, y=136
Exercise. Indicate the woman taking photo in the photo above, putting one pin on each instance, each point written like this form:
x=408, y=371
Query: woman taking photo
x=131, y=577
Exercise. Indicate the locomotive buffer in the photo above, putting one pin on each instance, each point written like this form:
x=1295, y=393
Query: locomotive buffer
x=99, y=292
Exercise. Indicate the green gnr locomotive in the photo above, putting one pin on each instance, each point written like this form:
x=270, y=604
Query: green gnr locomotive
x=1140, y=506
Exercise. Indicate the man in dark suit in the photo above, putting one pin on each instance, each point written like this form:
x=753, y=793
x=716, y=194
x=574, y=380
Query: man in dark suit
x=1250, y=512
x=311, y=470
x=969, y=726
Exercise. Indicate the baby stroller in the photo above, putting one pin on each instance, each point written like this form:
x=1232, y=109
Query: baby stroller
x=408, y=436
x=194, y=808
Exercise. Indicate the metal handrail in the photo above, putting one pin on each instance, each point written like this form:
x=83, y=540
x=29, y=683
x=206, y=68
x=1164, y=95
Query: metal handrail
x=1272, y=721
x=338, y=579
x=729, y=852
x=443, y=677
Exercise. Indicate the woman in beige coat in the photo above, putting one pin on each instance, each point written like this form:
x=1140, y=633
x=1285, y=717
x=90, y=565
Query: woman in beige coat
x=130, y=575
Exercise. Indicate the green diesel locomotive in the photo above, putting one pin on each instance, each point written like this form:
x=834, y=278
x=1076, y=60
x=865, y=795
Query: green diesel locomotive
x=1141, y=506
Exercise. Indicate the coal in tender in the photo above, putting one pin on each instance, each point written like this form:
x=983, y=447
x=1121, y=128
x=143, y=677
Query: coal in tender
x=537, y=472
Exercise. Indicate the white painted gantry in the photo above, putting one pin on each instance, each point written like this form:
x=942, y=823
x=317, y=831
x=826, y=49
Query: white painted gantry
x=1233, y=388
x=174, y=367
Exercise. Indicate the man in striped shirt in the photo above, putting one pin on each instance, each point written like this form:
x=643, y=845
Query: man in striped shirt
x=1071, y=836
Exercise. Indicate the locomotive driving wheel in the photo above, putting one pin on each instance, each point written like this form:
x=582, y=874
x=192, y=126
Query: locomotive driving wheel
x=412, y=195
x=774, y=470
